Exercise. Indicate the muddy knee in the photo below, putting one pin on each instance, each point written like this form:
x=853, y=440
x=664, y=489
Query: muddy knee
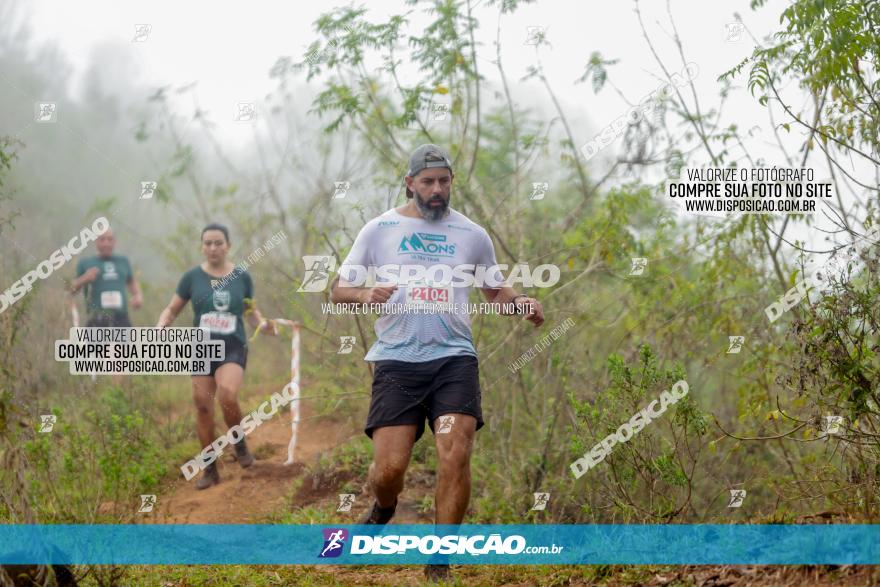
x=227, y=399
x=388, y=473
x=204, y=405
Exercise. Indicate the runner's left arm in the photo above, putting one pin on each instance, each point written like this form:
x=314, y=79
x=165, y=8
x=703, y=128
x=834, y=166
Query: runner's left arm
x=134, y=287
x=252, y=313
x=255, y=319
x=524, y=304
x=484, y=254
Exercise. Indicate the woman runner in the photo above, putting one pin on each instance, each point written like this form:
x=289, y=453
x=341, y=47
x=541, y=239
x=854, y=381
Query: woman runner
x=221, y=295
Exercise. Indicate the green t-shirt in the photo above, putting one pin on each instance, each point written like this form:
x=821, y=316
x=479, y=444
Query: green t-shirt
x=107, y=293
x=218, y=303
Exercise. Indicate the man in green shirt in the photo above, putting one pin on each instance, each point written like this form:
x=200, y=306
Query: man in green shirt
x=106, y=277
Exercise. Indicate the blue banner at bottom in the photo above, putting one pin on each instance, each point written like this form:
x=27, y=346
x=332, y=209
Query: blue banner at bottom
x=419, y=544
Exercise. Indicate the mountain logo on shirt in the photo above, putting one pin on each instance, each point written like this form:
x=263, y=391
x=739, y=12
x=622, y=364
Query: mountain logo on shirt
x=426, y=243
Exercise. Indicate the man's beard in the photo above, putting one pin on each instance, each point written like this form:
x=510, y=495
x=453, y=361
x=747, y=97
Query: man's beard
x=429, y=212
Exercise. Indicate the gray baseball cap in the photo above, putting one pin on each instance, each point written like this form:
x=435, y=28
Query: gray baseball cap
x=424, y=157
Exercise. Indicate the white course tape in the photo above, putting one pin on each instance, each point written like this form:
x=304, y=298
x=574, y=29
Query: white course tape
x=74, y=314
x=294, y=384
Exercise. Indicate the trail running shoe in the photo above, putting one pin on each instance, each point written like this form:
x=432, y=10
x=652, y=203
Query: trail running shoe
x=243, y=455
x=377, y=515
x=435, y=573
x=209, y=477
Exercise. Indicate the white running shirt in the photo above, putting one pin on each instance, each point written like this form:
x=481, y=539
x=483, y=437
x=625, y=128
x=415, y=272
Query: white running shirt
x=423, y=335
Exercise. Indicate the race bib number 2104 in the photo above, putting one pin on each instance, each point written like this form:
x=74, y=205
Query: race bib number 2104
x=435, y=296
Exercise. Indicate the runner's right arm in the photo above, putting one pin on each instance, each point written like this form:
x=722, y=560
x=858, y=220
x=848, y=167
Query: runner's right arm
x=169, y=314
x=343, y=292
x=87, y=276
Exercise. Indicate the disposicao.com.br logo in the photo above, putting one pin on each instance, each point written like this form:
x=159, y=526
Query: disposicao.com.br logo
x=320, y=270
x=394, y=544
x=334, y=540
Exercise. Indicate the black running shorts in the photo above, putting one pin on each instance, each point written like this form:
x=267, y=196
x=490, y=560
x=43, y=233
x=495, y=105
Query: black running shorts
x=236, y=352
x=407, y=393
x=109, y=319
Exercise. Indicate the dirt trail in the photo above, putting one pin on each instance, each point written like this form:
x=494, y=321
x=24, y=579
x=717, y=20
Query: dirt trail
x=250, y=496
x=244, y=495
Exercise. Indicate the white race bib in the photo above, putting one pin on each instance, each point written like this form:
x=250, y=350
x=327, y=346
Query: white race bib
x=435, y=296
x=218, y=322
x=111, y=300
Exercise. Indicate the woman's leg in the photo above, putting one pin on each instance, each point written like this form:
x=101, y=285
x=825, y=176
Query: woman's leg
x=203, y=389
x=229, y=377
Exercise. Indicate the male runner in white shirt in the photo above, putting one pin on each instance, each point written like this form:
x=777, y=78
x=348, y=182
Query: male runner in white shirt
x=426, y=363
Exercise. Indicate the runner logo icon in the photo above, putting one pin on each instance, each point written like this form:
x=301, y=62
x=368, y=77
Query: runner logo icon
x=334, y=539
x=47, y=422
x=318, y=270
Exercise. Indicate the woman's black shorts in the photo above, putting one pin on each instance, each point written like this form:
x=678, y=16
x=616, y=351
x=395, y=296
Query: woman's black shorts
x=108, y=319
x=236, y=352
